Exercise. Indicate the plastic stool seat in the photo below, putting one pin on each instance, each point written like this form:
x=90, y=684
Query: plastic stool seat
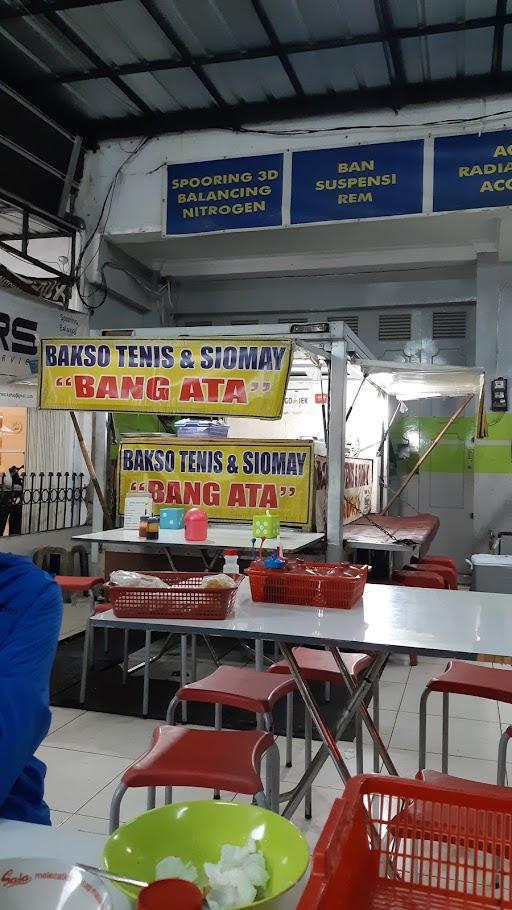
x=446, y=572
x=438, y=779
x=213, y=759
x=320, y=666
x=418, y=580
x=238, y=687
x=76, y=583
x=438, y=560
x=460, y=678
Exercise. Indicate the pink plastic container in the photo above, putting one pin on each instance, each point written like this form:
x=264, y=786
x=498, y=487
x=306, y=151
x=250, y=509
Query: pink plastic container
x=196, y=524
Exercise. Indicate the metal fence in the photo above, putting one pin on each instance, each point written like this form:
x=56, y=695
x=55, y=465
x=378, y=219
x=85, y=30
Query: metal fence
x=42, y=502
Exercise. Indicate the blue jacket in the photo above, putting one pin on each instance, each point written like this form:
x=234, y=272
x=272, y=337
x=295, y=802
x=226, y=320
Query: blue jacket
x=30, y=619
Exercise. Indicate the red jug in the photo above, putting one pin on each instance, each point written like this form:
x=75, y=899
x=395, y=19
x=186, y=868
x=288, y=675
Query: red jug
x=196, y=524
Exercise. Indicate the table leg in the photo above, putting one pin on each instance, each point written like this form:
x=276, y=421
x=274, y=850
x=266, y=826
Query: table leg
x=329, y=747
x=170, y=560
x=183, y=680
x=209, y=561
x=259, y=656
x=367, y=720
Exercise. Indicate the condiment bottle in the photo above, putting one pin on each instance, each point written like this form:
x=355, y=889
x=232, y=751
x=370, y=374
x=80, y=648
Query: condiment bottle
x=143, y=525
x=153, y=527
x=196, y=524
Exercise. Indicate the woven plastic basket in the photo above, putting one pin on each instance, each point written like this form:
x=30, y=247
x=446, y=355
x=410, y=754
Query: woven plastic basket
x=322, y=589
x=185, y=600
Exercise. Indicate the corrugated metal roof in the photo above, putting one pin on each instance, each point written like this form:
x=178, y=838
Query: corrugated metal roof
x=121, y=67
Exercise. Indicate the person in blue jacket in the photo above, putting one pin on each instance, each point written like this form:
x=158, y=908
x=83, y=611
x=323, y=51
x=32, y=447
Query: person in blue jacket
x=30, y=620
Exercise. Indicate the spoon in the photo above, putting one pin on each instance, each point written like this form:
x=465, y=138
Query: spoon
x=111, y=876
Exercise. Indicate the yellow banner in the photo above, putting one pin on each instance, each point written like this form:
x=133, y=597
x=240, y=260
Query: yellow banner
x=232, y=480
x=219, y=377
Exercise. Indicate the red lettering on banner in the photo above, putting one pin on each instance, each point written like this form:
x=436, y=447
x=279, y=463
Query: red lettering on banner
x=235, y=393
x=268, y=498
x=84, y=386
x=132, y=387
x=156, y=489
x=213, y=387
x=158, y=388
x=211, y=494
x=107, y=387
x=191, y=390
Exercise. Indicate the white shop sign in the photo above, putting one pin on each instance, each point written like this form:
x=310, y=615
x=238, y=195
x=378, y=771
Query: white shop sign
x=23, y=322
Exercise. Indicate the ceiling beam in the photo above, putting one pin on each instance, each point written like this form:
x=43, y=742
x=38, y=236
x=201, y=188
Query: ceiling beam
x=186, y=57
x=260, y=53
x=392, y=43
x=499, y=30
x=277, y=47
x=74, y=38
x=38, y=7
x=310, y=106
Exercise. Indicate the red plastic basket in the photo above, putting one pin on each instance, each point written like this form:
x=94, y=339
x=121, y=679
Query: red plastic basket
x=395, y=844
x=295, y=586
x=188, y=601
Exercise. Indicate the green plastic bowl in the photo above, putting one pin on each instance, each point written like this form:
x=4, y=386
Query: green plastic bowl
x=196, y=831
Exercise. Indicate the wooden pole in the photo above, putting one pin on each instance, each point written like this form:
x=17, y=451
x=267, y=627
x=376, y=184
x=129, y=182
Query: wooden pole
x=92, y=472
x=427, y=452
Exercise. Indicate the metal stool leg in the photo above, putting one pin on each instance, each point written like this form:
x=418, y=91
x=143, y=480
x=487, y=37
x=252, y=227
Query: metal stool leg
x=359, y=742
x=218, y=726
x=171, y=711
x=446, y=720
x=273, y=777
x=151, y=801
x=168, y=795
x=308, y=744
x=422, y=750
x=125, y=655
x=193, y=658
x=502, y=759
x=105, y=640
x=289, y=729
x=115, y=807
x=147, y=660
x=376, y=718
x=85, y=658
x=183, y=676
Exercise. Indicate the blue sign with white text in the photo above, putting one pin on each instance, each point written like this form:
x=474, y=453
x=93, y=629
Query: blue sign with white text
x=229, y=194
x=363, y=181
x=473, y=172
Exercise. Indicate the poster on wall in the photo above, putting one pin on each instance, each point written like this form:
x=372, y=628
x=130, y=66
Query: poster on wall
x=363, y=181
x=192, y=376
x=23, y=320
x=357, y=497
x=232, y=480
x=473, y=171
x=229, y=194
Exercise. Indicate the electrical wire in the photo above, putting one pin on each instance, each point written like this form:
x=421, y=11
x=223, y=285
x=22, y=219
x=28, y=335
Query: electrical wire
x=108, y=200
x=370, y=126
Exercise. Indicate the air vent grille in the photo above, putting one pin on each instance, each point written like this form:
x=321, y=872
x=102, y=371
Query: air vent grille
x=449, y=324
x=395, y=326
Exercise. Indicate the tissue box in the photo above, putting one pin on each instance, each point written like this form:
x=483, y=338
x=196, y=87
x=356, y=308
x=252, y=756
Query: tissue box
x=267, y=526
x=172, y=519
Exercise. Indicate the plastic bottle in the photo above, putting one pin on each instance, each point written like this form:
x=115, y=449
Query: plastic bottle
x=196, y=524
x=231, y=566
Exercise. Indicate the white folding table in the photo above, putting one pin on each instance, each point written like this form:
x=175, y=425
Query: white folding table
x=388, y=619
x=220, y=537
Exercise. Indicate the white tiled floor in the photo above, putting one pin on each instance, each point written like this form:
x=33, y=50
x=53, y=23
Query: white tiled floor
x=86, y=752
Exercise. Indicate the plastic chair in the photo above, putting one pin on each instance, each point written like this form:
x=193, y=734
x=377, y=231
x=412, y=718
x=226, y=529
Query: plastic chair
x=213, y=759
x=236, y=687
x=461, y=678
x=320, y=666
x=448, y=575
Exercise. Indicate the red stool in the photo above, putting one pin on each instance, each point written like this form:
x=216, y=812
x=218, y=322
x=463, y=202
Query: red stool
x=213, y=759
x=418, y=579
x=436, y=560
x=461, y=678
x=320, y=666
x=446, y=572
x=236, y=687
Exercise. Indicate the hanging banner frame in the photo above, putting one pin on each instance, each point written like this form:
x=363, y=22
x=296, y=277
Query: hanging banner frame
x=218, y=377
